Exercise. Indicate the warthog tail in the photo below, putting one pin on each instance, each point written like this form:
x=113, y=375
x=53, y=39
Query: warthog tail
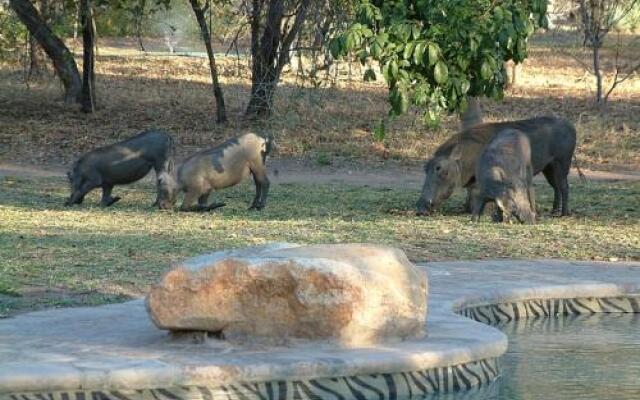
x=583, y=178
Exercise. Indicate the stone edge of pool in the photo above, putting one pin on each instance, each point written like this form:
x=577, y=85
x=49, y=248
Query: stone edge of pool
x=400, y=369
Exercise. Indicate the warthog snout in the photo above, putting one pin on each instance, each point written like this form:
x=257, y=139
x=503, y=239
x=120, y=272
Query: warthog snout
x=423, y=206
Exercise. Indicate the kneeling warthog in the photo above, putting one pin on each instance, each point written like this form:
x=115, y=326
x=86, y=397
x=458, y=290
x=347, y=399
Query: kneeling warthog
x=121, y=163
x=218, y=168
x=504, y=176
x=453, y=164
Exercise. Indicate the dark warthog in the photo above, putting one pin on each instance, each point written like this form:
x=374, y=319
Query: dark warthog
x=121, y=163
x=504, y=176
x=217, y=168
x=453, y=164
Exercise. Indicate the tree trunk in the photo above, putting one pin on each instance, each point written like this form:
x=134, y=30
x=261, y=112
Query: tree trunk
x=139, y=16
x=35, y=62
x=87, y=98
x=511, y=74
x=472, y=115
x=261, y=97
x=597, y=71
x=56, y=50
x=221, y=114
x=139, y=35
x=269, y=51
x=76, y=19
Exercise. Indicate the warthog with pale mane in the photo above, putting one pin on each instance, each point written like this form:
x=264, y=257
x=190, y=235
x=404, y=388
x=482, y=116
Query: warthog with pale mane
x=453, y=164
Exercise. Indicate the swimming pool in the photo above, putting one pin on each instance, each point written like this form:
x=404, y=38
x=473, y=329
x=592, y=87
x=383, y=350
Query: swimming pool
x=567, y=358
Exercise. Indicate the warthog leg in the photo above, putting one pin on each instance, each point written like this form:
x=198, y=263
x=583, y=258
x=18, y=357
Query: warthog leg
x=477, y=208
x=262, y=189
x=562, y=171
x=189, y=203
x=202, y=200
x=107, y=200
x=550, y=173
x=77, y=197
x=498, y=215
x=468, y=202
x=203, y=208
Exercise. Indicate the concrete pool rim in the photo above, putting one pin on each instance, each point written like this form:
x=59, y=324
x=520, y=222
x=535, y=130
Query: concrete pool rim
x=375, y=368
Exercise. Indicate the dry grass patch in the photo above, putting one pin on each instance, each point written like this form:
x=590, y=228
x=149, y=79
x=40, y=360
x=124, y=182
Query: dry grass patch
x=331, y=123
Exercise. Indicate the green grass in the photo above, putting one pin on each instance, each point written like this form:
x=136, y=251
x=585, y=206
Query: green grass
x=55, y=256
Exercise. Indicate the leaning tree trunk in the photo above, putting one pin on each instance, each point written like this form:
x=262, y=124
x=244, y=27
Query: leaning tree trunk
x=87, y=97
x=221, y=114
x=270, y=50
x=56, y=50
x=37, y=62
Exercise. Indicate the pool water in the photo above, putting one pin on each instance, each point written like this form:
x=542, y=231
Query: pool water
x=567, y=358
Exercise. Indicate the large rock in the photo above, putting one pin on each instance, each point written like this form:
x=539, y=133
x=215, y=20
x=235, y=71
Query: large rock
x=354, y=293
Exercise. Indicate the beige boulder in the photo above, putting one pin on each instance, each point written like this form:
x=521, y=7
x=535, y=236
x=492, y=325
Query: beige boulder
x=355, y=294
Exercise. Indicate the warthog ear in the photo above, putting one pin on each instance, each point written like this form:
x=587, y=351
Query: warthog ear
x=167, y=180
x=456, y=153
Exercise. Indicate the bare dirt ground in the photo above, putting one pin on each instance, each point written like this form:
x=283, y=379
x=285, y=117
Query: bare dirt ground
x=299, y=171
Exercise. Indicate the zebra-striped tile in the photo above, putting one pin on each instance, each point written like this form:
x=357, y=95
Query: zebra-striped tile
x=362, y=387
x=495, y=314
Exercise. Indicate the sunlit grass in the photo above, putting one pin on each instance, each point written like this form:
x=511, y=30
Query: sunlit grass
x=52, y=255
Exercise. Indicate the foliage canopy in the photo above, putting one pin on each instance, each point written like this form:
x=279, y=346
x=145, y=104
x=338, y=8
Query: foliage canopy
x=435, y=53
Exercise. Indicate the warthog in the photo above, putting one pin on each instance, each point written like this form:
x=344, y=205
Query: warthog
x=504, y=176
x=218, y=168
x=453, y=164
x=121, y=163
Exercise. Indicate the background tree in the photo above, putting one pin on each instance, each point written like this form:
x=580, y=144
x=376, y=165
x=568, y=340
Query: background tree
x=200, y=12
x=138, y=11
x=12, y=33
x=88, y=95
x=310, y=54
x=63, y=61
x=274, y=25
x=37, y=64
x=435, y=53
x=596, y=20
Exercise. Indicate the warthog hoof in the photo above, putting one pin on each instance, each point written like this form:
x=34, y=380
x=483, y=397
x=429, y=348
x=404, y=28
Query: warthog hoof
x=213, y=206
x=163, y=205
x=256, y=207
x=111, y=201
